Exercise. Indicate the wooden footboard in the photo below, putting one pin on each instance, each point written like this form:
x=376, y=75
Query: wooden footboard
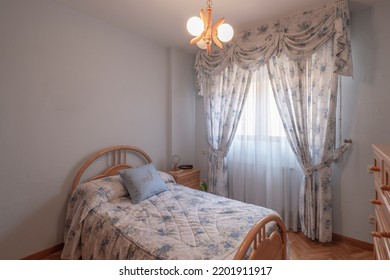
x=264, y=247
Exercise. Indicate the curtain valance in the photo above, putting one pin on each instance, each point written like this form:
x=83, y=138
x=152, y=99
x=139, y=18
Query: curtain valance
x=296, y=36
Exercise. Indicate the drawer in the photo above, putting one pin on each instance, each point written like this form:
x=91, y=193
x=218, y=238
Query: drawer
x=380, y=252
x=188, y=180
x=384, y=188
x=377, y=167
x=382, y=217
x=194, y=185
x=382, y=230
x=383, y=195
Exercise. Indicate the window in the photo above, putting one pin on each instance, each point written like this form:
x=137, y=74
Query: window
x=263, y=169
x=260, y=112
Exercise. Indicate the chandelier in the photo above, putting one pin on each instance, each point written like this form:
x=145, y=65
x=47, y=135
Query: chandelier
x=205, y=33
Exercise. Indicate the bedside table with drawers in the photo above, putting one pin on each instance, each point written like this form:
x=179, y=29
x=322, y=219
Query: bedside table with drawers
x=187, y=177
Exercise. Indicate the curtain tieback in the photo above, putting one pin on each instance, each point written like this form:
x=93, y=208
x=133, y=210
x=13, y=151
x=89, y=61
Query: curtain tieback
x=329, y=160
x=218, y=153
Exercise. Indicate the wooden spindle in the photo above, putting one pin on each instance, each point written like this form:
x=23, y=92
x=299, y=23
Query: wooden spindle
x=255, y=243
x=263, y=234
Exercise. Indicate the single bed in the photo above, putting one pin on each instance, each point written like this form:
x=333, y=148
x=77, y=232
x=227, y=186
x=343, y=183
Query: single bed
x=178, y=223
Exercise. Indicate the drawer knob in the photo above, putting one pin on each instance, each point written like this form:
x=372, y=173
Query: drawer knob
x=375, y=168
x=376, y=202
x=385, y=234
x=385, y=188
x=380, y=234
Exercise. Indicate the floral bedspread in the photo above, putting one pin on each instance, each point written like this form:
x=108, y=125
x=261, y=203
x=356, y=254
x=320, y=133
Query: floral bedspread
x=180, y=223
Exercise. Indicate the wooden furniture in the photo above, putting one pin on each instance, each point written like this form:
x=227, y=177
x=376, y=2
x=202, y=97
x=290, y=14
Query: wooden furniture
x=381, y=201
x=270, y=245
x=119, y=155
x=187, y=177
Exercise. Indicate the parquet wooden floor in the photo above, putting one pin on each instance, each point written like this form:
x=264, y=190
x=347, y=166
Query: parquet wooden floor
x=302, y=248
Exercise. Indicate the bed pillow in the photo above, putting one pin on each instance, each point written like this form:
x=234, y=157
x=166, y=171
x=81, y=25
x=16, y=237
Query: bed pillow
x=142, y=182
x=167, y=178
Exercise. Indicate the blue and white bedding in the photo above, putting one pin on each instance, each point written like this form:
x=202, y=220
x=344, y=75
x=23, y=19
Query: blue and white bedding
x=180, y=223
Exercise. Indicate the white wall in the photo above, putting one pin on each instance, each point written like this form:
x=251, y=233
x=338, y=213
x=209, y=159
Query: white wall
x=69, y=86
x=183, y=93
x=365, y=119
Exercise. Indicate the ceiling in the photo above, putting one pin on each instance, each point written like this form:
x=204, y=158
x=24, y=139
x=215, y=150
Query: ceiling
x=164, y=21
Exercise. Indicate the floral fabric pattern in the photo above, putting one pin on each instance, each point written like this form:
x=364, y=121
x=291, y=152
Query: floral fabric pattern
x=180, y=223
x=297, y=37
x=306, y=96
x=307, y=107
x=224, y=99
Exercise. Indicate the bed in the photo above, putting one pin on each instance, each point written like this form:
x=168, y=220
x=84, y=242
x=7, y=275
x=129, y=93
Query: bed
x=102, y=222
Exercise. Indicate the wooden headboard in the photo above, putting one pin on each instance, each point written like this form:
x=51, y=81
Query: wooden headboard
x=119, y=161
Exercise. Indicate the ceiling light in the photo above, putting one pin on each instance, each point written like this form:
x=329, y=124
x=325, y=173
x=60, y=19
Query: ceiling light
x=205, y=33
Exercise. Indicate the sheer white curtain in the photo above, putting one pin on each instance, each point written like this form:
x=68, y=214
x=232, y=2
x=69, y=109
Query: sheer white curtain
x=262, y=167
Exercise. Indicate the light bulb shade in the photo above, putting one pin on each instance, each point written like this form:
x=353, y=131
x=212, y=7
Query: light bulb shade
x=195, y=26
x=225, y=32
x=202, y=44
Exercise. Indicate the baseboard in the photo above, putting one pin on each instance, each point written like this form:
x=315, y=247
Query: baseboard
x=44, y=253
x=336, y=237
x=354, y=242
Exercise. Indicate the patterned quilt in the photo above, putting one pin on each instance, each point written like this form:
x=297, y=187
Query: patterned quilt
x=180, y=223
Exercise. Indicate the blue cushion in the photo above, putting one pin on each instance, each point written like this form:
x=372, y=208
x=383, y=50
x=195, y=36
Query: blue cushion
x=142, y=182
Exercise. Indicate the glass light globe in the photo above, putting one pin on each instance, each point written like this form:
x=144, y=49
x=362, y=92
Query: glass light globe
x=225, y=32
x=195, y=26
x=202, y=44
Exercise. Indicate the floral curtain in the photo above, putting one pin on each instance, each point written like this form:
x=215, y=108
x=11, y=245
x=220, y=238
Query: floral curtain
x=224, y=97
x=296, y=40
x=295, y=36
x=306, y=95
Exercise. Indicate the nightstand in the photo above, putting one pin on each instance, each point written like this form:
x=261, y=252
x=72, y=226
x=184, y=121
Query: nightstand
x=187, y=177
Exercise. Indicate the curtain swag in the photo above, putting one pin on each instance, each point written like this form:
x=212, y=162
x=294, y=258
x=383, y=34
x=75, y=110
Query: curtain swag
x=297, y=37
